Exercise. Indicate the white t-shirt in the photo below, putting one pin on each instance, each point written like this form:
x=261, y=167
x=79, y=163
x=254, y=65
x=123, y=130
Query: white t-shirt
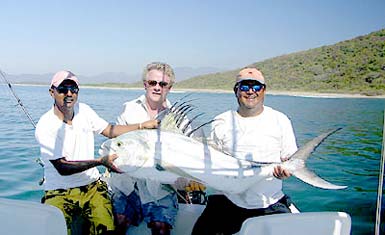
x=74, y=142
x=267, y=137
x=135, y=111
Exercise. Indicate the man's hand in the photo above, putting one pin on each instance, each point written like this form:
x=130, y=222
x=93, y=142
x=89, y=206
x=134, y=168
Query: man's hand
x=281, y=173
x=150, y=124
x=108, y=162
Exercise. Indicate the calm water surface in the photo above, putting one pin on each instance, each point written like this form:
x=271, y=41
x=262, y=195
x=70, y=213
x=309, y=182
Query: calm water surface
x=349, y=157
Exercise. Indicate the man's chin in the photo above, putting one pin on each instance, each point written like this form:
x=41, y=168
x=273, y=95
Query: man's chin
x=69, y=106
x=250, y=103
x=155, y=97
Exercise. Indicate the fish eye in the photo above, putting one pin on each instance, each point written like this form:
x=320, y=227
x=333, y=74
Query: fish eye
x=119, y=144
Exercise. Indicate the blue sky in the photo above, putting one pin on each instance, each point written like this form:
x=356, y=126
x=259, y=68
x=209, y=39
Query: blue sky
x=92, y=37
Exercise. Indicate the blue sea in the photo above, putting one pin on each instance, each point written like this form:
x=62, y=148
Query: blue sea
x=349, y=157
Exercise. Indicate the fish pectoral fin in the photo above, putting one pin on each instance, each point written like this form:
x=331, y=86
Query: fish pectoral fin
x=311, y=178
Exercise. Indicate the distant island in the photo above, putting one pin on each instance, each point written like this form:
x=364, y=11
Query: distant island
x=355, y=66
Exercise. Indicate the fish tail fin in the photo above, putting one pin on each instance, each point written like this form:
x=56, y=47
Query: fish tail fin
x=311, y=178
x=303, y=154
x=305, y=151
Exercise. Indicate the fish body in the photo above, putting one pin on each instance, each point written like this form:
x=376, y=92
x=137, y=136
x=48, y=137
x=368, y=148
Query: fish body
x=164, y=156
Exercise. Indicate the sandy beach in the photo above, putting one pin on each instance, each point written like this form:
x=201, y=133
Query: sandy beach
x=290, y=93
x=323, y=95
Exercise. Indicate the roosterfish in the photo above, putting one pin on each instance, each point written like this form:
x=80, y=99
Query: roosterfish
x=170, y=152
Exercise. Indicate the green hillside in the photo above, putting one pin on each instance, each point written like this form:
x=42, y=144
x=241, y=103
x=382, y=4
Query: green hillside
x=351, y=66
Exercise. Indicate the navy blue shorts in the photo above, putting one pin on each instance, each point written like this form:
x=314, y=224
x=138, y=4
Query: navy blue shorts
x=163, y=210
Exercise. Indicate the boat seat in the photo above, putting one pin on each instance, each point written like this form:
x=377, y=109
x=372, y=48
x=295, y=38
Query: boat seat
x=314, y=223
x=19, y=217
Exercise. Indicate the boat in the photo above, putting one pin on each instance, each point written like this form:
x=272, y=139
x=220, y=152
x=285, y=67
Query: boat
x=18, y=217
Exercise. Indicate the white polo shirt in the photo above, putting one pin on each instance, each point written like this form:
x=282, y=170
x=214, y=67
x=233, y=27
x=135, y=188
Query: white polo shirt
x=135, y=111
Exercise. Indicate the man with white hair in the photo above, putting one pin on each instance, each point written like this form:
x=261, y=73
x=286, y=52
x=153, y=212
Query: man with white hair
x=137, y=200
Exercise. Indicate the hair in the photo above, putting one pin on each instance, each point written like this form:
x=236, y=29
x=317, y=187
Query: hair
x=163, y=67
x=235, y=88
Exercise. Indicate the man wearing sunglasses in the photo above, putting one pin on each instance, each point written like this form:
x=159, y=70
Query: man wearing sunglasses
x=253, y=132
x=66, y=137
x=139, y=199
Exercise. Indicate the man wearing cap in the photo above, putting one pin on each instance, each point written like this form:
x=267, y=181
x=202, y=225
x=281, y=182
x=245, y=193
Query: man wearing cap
x=257, y=133
x=66, y=137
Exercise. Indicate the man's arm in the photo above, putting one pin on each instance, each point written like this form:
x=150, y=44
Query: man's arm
x=112, y=131
x=65, y=167
x=289, y=147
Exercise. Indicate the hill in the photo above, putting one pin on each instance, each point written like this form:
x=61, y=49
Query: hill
x=110, y=78
x=351, y=66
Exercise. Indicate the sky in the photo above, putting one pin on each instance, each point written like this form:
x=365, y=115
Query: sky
x=93, y=37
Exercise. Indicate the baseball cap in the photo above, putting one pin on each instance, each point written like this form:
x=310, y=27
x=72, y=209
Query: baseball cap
x=60, y=76
x=250, y=74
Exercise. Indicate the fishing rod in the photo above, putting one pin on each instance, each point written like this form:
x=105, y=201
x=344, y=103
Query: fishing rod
x=380, y=184
x=24, y=109
x=17, y=99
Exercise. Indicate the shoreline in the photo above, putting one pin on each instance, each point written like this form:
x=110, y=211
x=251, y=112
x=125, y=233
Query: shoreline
x=268, y=92
x=291, y=93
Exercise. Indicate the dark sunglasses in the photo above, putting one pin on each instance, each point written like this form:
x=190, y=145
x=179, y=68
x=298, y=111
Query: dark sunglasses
x=247, y=86
x=65, y=89
x=153, y=83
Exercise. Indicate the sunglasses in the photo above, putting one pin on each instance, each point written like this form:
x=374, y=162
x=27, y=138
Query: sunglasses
x=255, y=87
x=65, y=89
x=153, y=83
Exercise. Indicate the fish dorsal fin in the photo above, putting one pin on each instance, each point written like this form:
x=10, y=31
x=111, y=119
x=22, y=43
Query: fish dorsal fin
x=174, y=118
x=167, y=121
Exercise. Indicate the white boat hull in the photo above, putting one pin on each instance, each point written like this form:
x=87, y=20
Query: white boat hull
x=26, y=217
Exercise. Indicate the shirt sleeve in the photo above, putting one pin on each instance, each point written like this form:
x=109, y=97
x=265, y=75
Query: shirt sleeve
x=121, y=120
x=51, y=144
x=98, y=124
x=289, y=145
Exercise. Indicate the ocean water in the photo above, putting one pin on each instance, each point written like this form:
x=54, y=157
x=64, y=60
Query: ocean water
x=349, y=157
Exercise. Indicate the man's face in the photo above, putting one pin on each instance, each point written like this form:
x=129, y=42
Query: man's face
x=157, y=86
x=65, y=95
x=250, y=94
